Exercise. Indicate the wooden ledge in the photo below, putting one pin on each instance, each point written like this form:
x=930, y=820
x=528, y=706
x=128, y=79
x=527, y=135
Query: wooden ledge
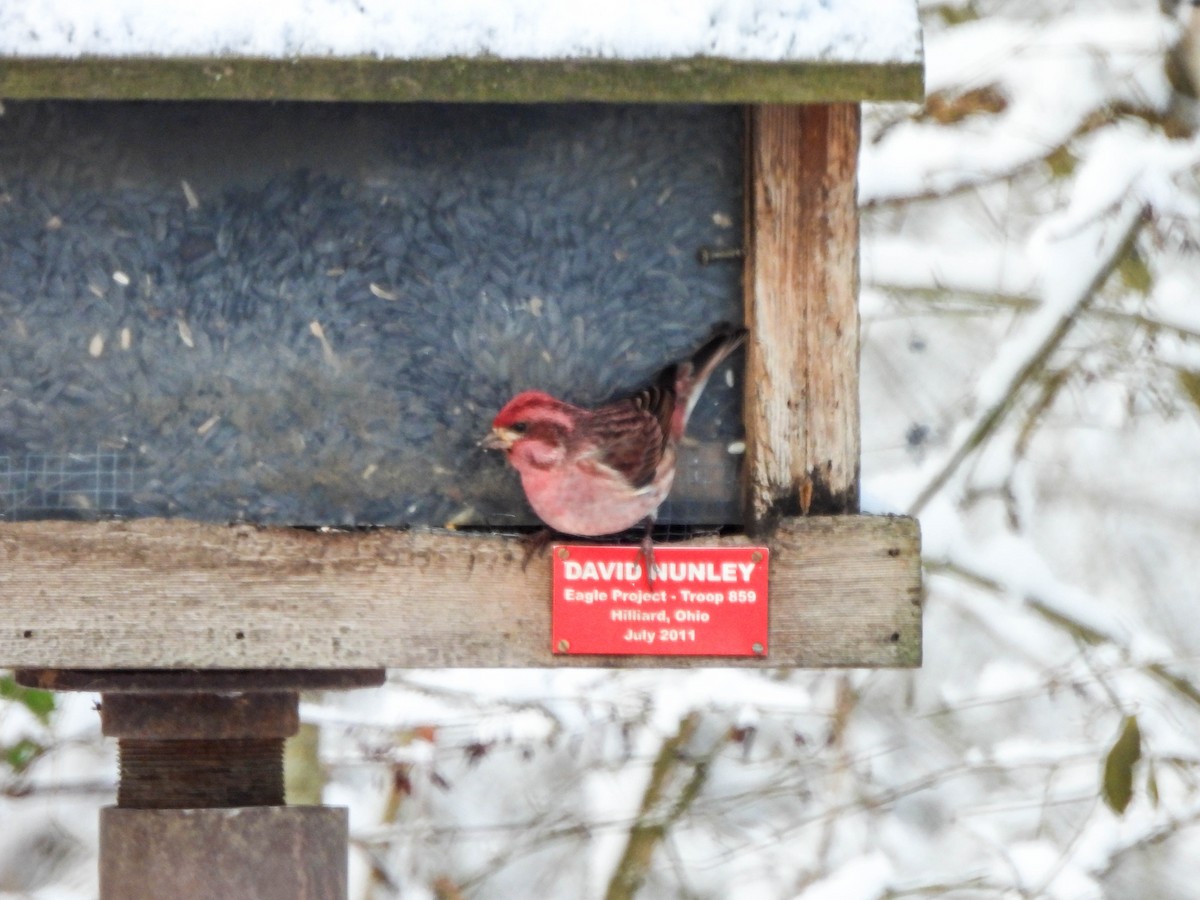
x=152, y=593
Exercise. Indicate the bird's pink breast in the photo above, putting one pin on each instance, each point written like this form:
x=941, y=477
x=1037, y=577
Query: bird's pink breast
x=588, y=500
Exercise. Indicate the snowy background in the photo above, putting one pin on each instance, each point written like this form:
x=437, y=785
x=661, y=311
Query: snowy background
x=841, y=30
x=1031, y=388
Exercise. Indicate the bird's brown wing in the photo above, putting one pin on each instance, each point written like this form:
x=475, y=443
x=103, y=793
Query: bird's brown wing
x=631, y=434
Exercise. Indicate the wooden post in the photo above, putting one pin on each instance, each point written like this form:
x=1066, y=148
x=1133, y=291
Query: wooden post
x=801, y=293
x=264, y=852
x=200, y=809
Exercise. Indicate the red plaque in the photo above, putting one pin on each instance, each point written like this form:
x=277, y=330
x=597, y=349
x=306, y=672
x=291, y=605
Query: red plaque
x=705, y=601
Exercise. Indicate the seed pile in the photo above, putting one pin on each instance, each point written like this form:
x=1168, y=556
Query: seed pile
x=308, y=314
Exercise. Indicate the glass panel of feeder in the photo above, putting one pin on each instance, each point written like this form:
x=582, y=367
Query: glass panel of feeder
x=309, y=313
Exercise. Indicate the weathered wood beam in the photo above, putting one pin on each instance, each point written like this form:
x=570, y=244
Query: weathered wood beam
x=152, y=593
x=801, y=294
x=482, y=79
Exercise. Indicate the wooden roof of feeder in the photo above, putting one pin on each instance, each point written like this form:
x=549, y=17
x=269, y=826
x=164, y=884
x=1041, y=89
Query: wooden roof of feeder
x=763, y=51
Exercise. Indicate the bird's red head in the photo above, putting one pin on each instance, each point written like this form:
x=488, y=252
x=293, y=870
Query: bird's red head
x=530, y=416
x=526, y=406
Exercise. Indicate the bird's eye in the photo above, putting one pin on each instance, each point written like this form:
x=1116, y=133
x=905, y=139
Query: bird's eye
x=520, y=427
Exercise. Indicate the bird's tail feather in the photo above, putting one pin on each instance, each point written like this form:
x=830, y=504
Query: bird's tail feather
x=691, y=376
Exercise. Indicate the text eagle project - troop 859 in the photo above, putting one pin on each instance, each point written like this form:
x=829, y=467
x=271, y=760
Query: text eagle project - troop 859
x=726, y=573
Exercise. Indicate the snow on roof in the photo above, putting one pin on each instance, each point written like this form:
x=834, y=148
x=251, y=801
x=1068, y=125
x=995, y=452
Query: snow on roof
x=834, y=31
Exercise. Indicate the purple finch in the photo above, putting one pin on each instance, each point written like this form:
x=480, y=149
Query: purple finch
x=590, y=472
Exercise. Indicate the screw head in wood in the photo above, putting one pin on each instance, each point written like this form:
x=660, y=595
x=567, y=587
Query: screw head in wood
x=564, y=645
x=563, y=553
x=757, y=648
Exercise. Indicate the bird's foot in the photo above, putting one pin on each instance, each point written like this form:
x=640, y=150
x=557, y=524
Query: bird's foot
x=534, y=544
x=648, y=553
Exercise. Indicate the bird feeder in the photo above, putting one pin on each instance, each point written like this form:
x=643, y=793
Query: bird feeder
x=250, y=341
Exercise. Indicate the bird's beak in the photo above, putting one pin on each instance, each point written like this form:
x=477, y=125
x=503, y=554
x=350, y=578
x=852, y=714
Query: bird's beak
x=497, y=439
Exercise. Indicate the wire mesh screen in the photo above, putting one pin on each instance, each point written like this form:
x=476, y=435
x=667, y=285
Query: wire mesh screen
x=308, y=314
x=67, y=485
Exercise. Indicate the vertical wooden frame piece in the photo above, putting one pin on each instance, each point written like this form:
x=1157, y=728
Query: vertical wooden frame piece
x=801, y=296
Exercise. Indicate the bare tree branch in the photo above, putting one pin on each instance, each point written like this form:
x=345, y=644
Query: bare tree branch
x=991, y=417
x=676, y=779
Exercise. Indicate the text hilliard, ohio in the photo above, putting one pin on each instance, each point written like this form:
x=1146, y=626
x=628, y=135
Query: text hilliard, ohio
x=703, y=601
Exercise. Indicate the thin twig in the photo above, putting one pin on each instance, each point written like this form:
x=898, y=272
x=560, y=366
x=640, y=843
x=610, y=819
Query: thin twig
x=983, y=302
x=1096, y=120
x=993, y=415
x=1080, y=630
